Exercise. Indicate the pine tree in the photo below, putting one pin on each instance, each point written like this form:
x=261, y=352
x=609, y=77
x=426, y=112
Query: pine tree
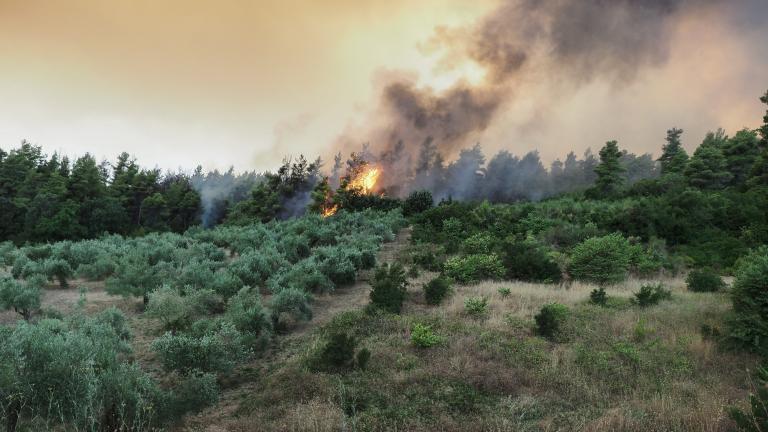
x=741, y=153
x=609, y=172
x=673, y=157
x=707, y=168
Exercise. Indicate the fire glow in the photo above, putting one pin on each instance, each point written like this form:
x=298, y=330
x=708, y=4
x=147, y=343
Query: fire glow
x=366, y=180
x=363, y=183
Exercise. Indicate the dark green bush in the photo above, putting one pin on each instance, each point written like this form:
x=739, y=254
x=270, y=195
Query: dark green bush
x=217, y=351
x=195, y=392
x=362, y=358
x=389, y=287
x=601, y=260
x=528, y=261
x=748, y=327
x=336, y=354
x=650, y=295
x=704, y=280
x=598, y=297
x=476, y=307
x=473, y=268
x=436, y=290
x=550, y=319
x=417, y=202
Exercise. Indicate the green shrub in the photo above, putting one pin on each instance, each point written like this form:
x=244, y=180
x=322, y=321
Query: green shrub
x=214, y=352
x=473, y=268
x=336, y=354
x=362, y=358
x=168, y=306
x=476, y=307
x=389, y=288
x=428, y=256
x=650, y=295
x=436, y=290
x=57, y=269
x=246, y=312
x=22, y=297
x=704, y=280
x=550, y=319
x=598, y=297
x=417, y=202
x=504, y=292
x=529, y=261
x=422, y=336
x=195, y=392
x=480, y=243
x=748, y=327
x=293, y=302
x=601, y=260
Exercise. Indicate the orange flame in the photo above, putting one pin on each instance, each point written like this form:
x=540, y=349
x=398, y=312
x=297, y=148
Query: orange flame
x=329, y=211
x=366, y=180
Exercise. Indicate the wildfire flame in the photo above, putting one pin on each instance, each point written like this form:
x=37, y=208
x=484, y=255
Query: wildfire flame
x=329, y=211
x=366, y=180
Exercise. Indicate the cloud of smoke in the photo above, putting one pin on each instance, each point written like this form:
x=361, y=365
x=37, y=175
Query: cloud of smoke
x=559, y=44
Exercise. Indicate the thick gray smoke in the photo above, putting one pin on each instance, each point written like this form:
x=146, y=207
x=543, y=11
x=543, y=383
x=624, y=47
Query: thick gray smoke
x=562, y=44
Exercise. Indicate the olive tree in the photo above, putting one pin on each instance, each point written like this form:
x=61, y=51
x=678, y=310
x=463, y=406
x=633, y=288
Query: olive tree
x=22, y=297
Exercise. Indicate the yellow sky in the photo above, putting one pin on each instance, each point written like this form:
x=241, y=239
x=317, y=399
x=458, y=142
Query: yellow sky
x=235, y=82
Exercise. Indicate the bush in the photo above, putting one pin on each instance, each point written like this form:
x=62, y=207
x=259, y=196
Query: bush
x=57, y=269
x=246, y=312
x=293, y=302
x=748, y=327
x=704, y=280
x=436, y=290
x=598, y=297
x=214, y=352
x=428, y=256
x=173, y=311
x=650, y=295
x=197, y=391
x=417, y=202
x=389, y=288
x=337, y=353
x=601, y=260
x=422, y=336
x=504, y=292
x=476, y=307
x=473, y=268
x=362, y=358
x=550, y=319
x=528, y=261
x=480, y=243
x=22, y=297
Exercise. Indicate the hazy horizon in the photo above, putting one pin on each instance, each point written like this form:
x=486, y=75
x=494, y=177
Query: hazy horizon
x=235, y=83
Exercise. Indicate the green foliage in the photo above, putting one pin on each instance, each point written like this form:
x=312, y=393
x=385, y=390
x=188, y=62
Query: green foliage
x=707, y=168
x=609, y=173
x=422, y=336
x=598, y=297
x=756, y=419
x=197, y=391
x=504, y=292
x=550, y=319
x=748, y=327
x=336, y=354
x=217, y=351
x=173, y=310
x=293, y=302
x=362, y=358
x=22, y=297
x=472, y=268
x=480, y=243
x=389, y=287
x=704, y=280
x=602, y=260
x=436, y=290
x=476, y=307
x=417, y=202
x=246, y=312
x=526, y=260
x=673, y=158
x=650, y=295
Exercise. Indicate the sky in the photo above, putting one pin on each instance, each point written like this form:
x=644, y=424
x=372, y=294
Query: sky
x=181, y=83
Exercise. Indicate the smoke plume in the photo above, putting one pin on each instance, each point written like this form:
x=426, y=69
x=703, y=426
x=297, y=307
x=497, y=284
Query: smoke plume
x=558, y=44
